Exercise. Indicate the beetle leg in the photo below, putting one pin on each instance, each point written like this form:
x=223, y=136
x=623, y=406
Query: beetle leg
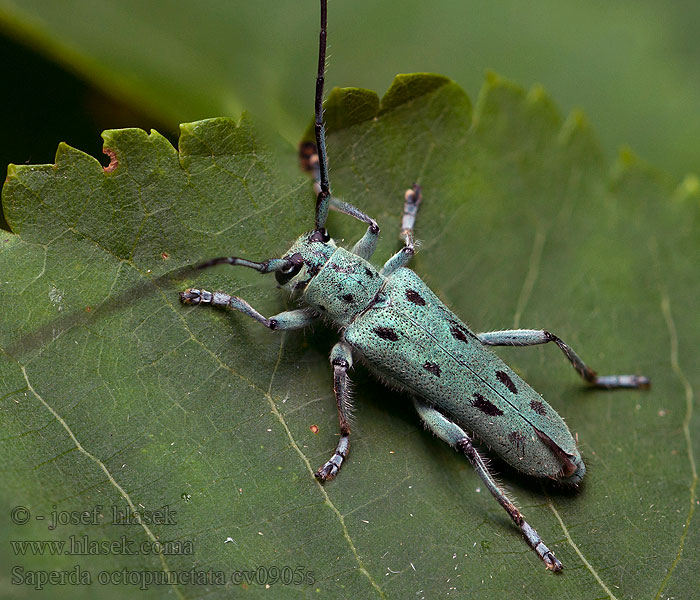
x=310, y=162
x=533, y=337
x=400, y=259
x=365, y=246
x=412, y=199
x=341, y=359
x=291, y=319
x=456, y=437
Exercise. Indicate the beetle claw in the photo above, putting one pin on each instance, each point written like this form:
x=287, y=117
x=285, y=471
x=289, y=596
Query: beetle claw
x=191, y=296
x=326, y=472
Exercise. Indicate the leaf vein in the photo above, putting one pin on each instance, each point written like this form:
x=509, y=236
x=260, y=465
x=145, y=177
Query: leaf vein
x=531, y=277
x=675, y=366
x=106, y=471
x=580, y=554
x=325, y=495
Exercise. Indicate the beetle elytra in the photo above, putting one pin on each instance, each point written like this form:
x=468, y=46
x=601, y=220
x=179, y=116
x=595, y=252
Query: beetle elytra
x=398, y=327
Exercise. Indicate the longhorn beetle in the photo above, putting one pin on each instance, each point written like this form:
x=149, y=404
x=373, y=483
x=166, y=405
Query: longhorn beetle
x=391, y=320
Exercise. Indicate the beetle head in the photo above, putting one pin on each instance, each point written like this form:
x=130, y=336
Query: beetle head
x=306, y=257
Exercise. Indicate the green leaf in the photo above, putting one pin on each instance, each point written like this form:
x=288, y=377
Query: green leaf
x=113, y=394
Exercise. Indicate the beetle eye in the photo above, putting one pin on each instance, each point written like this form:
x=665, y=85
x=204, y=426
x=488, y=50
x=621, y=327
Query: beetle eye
x=292, y=268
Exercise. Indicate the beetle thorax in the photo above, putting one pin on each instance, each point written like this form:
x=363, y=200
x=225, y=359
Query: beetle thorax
x=343, y=288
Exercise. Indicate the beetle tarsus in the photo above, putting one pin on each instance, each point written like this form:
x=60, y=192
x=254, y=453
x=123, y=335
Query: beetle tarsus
x=552, y=562
x=194, y=297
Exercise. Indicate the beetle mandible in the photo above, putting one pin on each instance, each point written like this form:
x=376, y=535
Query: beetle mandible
x=400, y=329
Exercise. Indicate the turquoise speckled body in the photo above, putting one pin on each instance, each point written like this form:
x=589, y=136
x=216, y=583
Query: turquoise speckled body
x=409, y=338
x=343, y=288
x=438, y=358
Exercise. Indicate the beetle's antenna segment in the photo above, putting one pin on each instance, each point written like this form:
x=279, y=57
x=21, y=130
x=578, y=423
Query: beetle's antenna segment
x=268, y=266
x=324, y=196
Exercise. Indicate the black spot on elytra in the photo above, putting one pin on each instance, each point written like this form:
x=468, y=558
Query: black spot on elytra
x=538, y=407
x=507, y=381
x=486, y=406
x=369, y=272
x=433, y=368
x=348, y=298
x=415, y=297
x=342, y=268
x=386, y=333
x=518, y=440
x=458, y=334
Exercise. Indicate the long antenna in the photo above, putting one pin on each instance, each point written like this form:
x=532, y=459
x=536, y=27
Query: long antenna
x=324, y=196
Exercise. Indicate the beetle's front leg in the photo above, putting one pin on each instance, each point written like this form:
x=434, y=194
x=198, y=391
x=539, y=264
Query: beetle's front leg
x=291, y=319
x=341, y=359
x=366, y=245
x=456, y=437
x=533, y=337
x=312, y=163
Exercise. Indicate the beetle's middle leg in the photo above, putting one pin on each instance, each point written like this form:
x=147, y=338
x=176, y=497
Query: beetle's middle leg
x=456, y=437
x=533, y=337
x=341, y=359
x=412, y=200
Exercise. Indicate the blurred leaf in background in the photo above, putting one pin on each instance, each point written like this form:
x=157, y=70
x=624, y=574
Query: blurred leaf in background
x=43, y=104
x=633, y=66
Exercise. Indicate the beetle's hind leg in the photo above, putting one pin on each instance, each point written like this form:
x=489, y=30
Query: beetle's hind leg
x=456, y=437
x=412, y=200
x=533, y=337
x=341, y=359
